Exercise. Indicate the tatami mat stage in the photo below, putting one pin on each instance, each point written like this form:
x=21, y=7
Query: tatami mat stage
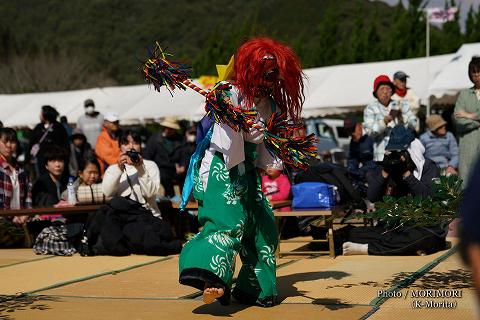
x=142, y=287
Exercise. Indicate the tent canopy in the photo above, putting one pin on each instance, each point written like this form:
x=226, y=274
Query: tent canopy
x=454, y=76
x=329, y=90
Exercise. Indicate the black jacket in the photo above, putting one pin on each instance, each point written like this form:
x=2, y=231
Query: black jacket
x=44, y=192
x=57, y=136
x=377, y=184
x=162, y=151
x=124, y=227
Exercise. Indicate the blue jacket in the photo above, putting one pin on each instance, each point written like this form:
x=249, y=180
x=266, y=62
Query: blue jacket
x=442, y=150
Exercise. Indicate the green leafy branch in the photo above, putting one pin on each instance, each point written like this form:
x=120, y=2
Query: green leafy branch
x=442, y=208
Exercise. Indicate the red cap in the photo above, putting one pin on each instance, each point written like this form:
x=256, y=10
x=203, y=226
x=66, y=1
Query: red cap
x=382, y=79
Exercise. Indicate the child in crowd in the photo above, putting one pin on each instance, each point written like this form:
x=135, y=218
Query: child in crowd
x=275, y=184
x=88, y=186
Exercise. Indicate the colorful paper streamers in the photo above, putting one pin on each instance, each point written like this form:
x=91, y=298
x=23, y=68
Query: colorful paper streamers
x=159, y=71
x=280, y=136
x=280, y=139
x=220, y=108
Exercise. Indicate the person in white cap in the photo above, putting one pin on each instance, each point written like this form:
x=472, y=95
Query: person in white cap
x=161, y=148
x=107, y=148
x=90, y=123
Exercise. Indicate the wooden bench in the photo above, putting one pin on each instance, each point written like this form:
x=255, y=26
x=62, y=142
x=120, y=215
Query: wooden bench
x=50, y=210
x=326, y=214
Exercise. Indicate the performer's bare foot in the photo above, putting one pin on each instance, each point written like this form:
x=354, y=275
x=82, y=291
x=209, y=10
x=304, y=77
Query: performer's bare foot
x=210, y=294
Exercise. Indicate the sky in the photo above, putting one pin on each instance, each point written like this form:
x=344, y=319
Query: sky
x=464, y=6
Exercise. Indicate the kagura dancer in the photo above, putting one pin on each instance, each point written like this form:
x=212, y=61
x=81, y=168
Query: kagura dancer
x=235, y=215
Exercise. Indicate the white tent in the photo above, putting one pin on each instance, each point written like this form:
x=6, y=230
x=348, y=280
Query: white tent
x=329, y=90
x=133, y=103
x=454, y=76
x=342, y=88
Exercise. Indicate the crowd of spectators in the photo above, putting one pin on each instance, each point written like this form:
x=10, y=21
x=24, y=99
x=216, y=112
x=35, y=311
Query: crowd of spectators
x=387, y=154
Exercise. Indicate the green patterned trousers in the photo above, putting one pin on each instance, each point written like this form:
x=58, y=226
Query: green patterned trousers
x=236, y=218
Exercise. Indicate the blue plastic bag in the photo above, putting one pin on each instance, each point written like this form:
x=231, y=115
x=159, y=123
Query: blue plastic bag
x=313, y=195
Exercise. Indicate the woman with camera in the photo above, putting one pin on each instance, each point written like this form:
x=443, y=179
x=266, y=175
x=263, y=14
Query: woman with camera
x=381, y=115
x=132, y=176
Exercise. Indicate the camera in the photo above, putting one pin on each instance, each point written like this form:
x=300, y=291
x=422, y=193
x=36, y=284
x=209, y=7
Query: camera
x=133, y=155
x=396, y=115
x=394, y=165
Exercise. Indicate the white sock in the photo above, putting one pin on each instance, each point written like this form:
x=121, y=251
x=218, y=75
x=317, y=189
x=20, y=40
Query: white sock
x=351, y=248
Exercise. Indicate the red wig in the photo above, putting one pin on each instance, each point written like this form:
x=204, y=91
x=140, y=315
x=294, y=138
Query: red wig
x=250, y=61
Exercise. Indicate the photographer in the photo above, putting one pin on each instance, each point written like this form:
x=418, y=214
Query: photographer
x=404, y=171
x=381, y=115
x=132, y=176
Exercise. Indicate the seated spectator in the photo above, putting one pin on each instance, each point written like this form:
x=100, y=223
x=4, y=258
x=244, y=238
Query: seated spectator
x=360, y=154
x=440, y=145
x=48, y=188
x=88, y=186
x=381, y=115
x=132, y=176
x=275, y=184
x=107, y=149
x=79, y=150
x=404, y=170
x=15, y=190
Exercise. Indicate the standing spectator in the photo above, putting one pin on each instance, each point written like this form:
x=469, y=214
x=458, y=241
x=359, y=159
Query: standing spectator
x=402, y=92
x=66, y=126
x=468, y=129
x=107, y=149
x=160, y=149
x=381, y=115
x=91, y=122
x=47, y=133
x=48, y=188
x=183, y=154
x=360, y=154
x=440, y=145
x=79, y=150
x=132, y=176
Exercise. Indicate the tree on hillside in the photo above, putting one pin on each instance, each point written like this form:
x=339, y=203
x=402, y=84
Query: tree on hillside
x=49, y=72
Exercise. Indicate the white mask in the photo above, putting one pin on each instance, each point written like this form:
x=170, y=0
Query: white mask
x=90, y=110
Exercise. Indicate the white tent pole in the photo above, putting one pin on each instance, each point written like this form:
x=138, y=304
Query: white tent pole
x=427, y=51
